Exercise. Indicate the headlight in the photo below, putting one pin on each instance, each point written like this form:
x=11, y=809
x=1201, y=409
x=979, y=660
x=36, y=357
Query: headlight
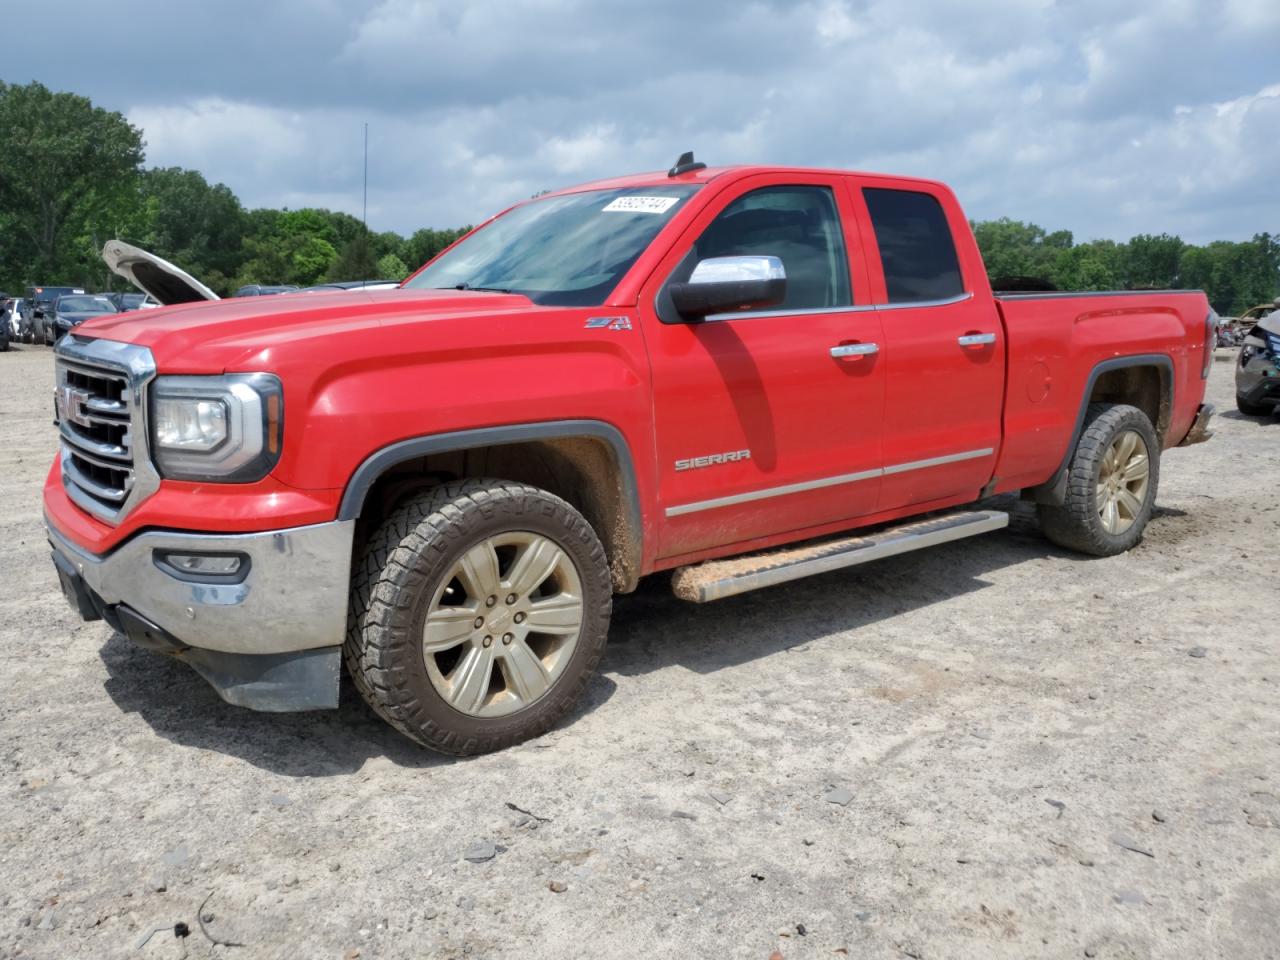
x=227, y=429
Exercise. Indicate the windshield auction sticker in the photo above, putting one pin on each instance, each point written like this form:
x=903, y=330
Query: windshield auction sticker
x=641, y=205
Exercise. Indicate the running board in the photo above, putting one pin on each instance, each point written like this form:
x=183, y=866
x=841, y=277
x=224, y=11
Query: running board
x=717, y=579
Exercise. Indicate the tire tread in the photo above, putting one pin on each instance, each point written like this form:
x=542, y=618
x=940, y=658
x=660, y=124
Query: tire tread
x=1075, y=524
x=388, y=575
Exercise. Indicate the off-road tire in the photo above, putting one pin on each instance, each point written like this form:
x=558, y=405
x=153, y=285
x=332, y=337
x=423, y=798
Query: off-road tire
x=395, y=577
x=1253, y=409
x=1076, y=524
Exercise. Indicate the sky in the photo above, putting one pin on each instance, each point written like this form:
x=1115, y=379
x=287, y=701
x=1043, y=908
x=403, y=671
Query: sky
x=1102, y=117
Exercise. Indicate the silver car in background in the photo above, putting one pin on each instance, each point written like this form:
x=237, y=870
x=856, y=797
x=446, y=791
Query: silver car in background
x=1258, y=369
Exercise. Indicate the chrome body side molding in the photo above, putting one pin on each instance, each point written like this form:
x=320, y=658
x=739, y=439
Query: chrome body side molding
x=824, y=311
x=782, y=491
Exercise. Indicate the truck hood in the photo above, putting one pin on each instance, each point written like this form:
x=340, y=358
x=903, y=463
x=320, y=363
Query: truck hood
x=211, y=337
x=154, y=275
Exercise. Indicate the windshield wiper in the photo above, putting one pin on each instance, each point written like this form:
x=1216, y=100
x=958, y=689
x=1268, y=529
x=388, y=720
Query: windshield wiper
x=467, y=286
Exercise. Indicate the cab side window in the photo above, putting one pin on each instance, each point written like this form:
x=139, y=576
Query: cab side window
x=916, y=247
x=798, y=225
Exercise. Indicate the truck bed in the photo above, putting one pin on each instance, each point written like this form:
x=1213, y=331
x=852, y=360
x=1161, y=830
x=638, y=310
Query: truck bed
x=1048, y=387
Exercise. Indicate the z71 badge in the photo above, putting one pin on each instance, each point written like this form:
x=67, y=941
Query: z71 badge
x=712, y=460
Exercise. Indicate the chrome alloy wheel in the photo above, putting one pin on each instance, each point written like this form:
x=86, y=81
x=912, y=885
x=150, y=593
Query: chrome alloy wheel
x=503, y=624
x=1122, y=482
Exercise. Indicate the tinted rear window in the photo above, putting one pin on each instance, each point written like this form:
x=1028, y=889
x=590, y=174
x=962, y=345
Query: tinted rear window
x=916, y=248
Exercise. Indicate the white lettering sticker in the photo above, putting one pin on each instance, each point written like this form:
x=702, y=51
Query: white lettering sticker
x=641, y=205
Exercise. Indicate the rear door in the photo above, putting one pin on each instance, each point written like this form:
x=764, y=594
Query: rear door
x=760, y=429
x=944, y=345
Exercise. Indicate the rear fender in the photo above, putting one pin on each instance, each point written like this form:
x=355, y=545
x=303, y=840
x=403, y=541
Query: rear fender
x=1053, y=491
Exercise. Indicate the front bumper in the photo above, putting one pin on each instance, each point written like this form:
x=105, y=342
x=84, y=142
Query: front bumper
x=1259, y=392
x=270, y=641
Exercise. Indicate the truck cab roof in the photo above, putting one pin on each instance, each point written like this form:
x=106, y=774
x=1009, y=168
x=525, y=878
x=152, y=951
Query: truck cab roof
x=703, y=175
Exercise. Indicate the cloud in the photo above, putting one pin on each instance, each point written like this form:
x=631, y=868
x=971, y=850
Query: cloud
x=1107, y=119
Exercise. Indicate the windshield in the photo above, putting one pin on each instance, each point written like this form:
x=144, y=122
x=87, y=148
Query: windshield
x=85, y=305
x=561, y=251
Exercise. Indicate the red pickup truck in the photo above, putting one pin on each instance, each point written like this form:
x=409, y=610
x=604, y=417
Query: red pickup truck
x=744, y=375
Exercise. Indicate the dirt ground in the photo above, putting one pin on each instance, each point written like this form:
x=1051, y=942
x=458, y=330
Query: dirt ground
x=1038, y=755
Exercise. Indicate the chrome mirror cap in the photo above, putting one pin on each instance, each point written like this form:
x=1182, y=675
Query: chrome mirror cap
x=738, y=269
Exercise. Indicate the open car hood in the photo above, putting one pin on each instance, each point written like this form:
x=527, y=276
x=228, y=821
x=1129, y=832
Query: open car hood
x=150, y=274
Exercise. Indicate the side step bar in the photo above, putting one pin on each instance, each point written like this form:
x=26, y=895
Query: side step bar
x=717, y=579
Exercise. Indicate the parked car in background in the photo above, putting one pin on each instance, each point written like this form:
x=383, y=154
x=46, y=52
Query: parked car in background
x=352, y=285
x=259, y=290
x=17, y=313
x=158, y=278
x=167, y=284
x=42, y=299
x=1258, y=368
x=22, y=315
x=6, y=328
x=8, y=316
x=71, y=310
x=124, y=302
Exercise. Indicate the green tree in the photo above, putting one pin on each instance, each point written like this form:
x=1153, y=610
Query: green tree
x=1087, y=266
x=194, y=224
x=1152, y=261
x=289, y=246
x=355, y=261
x=67, y=172
x=391, y=267
x=1011, y=248
x=1235, y=276
x=426, y=243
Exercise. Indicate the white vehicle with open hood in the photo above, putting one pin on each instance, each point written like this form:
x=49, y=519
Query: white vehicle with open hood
x=154, y=275
x=171, y=284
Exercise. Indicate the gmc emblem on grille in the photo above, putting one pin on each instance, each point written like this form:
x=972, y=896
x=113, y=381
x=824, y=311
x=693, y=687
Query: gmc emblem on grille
x=70, y=405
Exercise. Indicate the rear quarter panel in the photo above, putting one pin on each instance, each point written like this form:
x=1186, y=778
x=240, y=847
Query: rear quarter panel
x=1056, y=341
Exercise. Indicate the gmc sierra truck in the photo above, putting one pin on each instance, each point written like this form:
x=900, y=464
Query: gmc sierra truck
x=741, y=376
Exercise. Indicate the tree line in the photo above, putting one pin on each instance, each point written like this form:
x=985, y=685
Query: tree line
x=1236, y=276
x=73, y=175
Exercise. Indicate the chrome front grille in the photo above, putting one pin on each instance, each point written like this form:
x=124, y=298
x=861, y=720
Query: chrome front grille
x=100, y=402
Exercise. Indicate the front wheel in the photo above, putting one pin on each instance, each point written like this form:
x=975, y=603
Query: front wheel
x=1111, y=483
x=479, y=613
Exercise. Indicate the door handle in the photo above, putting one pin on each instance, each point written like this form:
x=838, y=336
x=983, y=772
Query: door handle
x=976, y=339
x=854, y=350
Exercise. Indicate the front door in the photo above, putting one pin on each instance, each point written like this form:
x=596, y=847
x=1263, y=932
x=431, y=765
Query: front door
x=767, y=421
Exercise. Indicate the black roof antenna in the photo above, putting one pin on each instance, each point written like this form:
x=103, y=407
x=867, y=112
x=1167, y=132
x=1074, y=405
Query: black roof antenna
x=685, y=164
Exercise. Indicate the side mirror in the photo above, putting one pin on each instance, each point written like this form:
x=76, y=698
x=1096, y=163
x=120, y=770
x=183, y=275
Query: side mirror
x=724, y=284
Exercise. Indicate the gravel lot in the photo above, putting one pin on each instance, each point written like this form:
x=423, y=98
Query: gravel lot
x=1038, y=755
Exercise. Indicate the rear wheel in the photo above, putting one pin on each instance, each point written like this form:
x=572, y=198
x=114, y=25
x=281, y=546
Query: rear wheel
x=1111, y=483
x=479, y=613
